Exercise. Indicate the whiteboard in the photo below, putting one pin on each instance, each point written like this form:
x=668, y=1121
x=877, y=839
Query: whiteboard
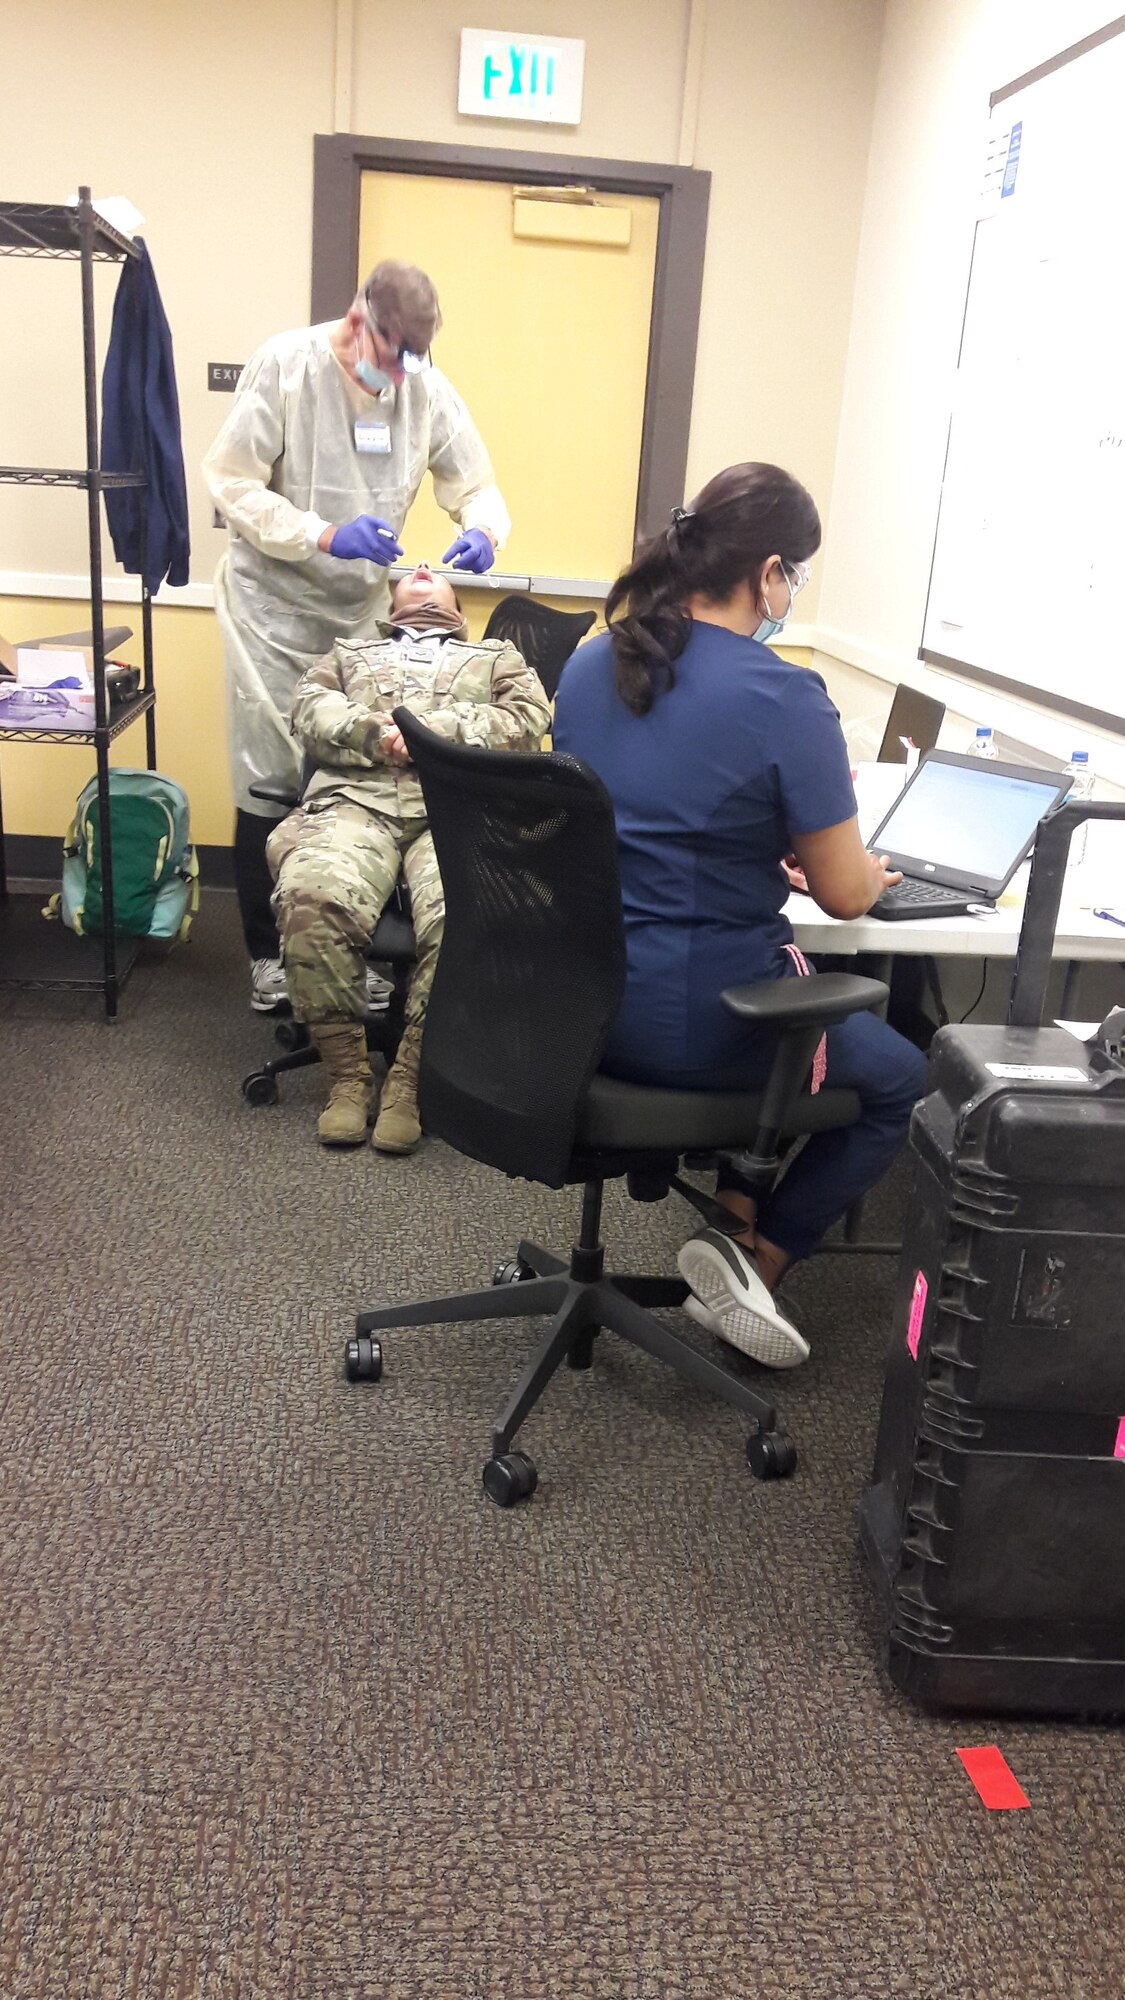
x=1028, y=577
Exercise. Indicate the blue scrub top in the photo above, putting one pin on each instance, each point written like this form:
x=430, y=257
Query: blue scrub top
x=708, y=788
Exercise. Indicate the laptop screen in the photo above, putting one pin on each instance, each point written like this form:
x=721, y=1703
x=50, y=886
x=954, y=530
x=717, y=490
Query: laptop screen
x=966, y=819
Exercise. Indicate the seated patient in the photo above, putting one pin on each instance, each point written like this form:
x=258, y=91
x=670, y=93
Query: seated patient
x=363, y=820
x=723, y=762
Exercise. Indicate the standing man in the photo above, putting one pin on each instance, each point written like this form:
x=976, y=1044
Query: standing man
x=331, y=434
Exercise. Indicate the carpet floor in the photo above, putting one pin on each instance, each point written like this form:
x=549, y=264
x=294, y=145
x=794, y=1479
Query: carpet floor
x=288, y=1711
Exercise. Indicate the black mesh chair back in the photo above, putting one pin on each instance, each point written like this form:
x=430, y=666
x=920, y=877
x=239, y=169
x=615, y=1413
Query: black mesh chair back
x=544, y=636
x=532, y=963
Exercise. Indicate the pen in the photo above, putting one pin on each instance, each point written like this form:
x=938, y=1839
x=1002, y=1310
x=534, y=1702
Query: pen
x=1111, y=917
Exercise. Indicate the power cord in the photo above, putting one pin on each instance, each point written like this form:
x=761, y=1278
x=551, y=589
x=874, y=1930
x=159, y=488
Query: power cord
x=980, y=995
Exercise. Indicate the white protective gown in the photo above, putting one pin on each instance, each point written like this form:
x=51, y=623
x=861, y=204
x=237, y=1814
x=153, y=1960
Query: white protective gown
x=283, y=468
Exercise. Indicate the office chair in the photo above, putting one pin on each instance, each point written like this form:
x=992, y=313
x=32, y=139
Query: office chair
x=530, y=976
x=544, y=636
x=391, y=944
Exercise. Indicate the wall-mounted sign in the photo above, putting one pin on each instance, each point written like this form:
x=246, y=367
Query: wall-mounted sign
x=520, y=76
x=223, y=375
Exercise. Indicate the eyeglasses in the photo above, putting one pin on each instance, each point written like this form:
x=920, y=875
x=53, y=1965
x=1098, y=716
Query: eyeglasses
x=408, y=361
x=796, y=575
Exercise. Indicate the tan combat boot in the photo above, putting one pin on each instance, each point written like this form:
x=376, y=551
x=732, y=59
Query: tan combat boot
x=343, y=1051
x=397, y=1129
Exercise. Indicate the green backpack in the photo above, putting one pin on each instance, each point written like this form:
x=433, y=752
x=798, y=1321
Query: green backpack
x=155, y=871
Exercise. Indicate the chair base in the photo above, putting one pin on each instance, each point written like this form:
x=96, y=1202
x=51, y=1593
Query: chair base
x=383, y=1031
x=583, y=1301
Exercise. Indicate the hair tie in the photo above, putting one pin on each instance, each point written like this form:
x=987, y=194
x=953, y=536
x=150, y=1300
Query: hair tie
x=680, y=518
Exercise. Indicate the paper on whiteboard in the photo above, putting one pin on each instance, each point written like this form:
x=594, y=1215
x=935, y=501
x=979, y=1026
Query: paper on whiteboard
x=1034, y=484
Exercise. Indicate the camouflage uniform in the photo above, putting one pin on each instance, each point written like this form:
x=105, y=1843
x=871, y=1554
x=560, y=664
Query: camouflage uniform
x=338, y=856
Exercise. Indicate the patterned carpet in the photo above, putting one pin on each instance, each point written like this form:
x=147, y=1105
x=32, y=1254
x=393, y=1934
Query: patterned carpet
x=289, y=1712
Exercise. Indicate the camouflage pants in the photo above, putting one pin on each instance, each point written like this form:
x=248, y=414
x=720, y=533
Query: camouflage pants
x=336, y=866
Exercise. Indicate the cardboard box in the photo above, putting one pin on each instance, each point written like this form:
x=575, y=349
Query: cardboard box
x=115, y=635
x=32, y=698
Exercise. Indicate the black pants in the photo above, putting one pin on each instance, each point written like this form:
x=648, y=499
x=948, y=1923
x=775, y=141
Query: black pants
x=254, y=884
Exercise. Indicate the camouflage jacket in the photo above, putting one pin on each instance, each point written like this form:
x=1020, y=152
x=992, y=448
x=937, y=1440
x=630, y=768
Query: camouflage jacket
x=482, y=694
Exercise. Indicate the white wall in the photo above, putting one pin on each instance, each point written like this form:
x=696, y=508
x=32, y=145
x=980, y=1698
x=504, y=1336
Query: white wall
x=786, y=95
x=406, y=74
x=940, y=61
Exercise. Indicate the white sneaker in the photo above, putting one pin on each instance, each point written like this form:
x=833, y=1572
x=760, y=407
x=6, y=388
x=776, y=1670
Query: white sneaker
x=703, y=1316
x=740, y=1309
x=268, y=989
x=379, y=992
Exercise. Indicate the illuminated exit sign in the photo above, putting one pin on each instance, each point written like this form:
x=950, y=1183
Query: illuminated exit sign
x=520, y=76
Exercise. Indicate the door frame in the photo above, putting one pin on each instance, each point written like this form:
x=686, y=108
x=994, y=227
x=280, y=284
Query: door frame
x=339, y=163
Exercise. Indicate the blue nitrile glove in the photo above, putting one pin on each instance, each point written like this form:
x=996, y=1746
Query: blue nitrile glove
x=367, y=539
x=472, y=550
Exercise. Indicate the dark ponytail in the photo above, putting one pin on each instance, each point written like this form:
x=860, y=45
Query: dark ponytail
x=742, y=517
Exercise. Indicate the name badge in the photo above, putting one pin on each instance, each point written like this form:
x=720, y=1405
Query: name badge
x=370, y=435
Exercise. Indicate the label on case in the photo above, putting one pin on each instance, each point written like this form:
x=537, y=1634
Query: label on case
x=917, y=1314
x=1039, y=1072
x=1119, y=1447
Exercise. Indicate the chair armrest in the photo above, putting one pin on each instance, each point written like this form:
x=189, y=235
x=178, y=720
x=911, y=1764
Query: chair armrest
x=800, y=1009
x=278, y=795
x=819, y=1001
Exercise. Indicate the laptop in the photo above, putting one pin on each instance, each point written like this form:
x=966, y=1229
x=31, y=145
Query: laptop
x=958, y=830
x=917, y=716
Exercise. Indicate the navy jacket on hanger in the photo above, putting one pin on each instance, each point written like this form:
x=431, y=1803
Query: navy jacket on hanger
x=141, y=430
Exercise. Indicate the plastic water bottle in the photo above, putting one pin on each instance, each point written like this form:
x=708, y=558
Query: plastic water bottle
x=982, y=745
x=1081, y=787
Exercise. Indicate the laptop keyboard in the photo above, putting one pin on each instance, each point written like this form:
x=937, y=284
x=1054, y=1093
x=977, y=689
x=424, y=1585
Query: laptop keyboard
x=931, y=895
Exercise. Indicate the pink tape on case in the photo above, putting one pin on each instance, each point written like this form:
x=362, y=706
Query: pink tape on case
x=918, y=1314
x=1119, y=1447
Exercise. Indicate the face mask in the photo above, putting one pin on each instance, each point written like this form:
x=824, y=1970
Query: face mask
x=371, y=377
x=770, y=627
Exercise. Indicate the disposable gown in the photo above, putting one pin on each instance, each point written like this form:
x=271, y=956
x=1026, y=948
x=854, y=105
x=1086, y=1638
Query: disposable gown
x=283, y=468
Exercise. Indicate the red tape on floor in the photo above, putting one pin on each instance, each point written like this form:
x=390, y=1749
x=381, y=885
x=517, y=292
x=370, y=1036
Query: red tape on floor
x=994, y=1779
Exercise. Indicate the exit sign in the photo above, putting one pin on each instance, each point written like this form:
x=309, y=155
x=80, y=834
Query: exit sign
x=520, y=76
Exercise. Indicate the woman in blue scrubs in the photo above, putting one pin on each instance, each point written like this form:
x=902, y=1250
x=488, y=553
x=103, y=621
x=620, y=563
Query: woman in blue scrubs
x=724, y=763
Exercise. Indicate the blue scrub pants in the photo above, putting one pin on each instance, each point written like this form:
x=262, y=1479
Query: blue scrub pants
x=833, y=1169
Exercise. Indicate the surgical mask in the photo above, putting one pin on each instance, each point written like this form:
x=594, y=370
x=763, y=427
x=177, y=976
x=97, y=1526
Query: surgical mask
x=770, y=627
x=366, y=372
x=372, y=378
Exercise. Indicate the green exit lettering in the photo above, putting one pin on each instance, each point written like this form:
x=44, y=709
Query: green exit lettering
x=515, y=76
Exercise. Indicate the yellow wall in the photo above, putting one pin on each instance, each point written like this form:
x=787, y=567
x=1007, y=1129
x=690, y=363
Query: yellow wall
x=209, y=130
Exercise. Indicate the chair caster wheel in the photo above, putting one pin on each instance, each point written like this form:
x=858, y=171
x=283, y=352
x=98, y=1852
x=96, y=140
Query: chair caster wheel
x=511, y=1272
x=260, y=1087
x=363, y=1359
x=771, y=1455
x=290, y=1034
x=510, y=1478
